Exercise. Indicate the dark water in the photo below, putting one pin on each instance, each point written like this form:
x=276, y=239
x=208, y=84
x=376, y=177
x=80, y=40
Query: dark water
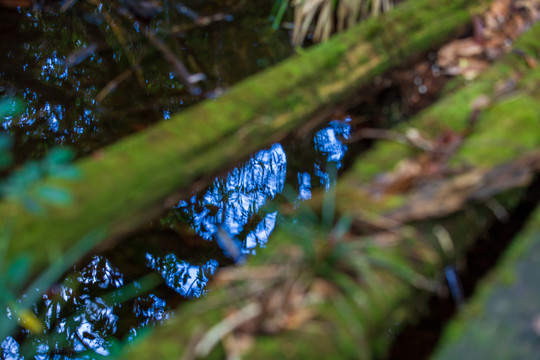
x=85, y=311
x=89, y=76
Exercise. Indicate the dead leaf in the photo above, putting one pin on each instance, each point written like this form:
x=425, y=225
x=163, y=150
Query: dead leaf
x=450, y=53
x=505, y=87
x=470, y=68
x=429, y=164
x=323, y=289
x=418, y=140
x=400, y=180
x=500, y=9
x=491, y=22
x=453, y=193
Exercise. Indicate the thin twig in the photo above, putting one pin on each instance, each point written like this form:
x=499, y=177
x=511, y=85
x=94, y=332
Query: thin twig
x=67, y=5
x=119, y=34
x=111, y=85
x=178, y=65
x=229, y=324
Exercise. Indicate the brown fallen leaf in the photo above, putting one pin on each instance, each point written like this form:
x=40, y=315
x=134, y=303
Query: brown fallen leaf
x=470, y=68
x=452, y=194
x=449, y=54
x=500, y=9
x=298, y=318
x=480, y=102
x=429, y=164
x=494, y=32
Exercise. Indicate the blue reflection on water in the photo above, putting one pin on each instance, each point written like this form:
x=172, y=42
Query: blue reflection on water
x=327, y=141
x=232, y=201
x=230, y=205
x=227, y=210
x=90, y=320
x=304, y=186
x=186, y=279
x=332, y=150
x=101, y=273
x=151, y=310
x=259, y=236
x=10, y=349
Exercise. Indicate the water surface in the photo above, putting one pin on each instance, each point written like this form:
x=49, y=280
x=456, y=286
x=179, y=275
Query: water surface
x=91, y=75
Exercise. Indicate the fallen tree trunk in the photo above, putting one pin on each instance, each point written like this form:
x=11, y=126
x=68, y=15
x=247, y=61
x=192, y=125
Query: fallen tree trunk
x=130, y=182
x=504, y=307
x=334, y=291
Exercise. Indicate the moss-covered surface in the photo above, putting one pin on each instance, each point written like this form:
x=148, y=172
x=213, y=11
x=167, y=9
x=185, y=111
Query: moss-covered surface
x=374, y=279
x=372, y=284
x=345, y=321
x=492, y=134
x=127, y=183
x=502, y=321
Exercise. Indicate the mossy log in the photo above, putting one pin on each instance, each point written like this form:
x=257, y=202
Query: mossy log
x=353, y=289
x=502, y=320
x=132, y=181
x=340, y=299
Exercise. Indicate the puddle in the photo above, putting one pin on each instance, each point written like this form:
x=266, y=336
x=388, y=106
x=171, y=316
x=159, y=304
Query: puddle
x=87, y=88
x=90, y=75
x=85, y=313
x=96, y=99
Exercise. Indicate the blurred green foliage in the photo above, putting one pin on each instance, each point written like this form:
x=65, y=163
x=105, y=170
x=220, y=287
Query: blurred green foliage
x=22, y=185
x=9, y=107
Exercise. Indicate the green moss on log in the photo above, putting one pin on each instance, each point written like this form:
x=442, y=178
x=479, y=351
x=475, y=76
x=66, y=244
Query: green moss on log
x=130, y=182
x=354, y=322
x=508, y=127
x=499, y=322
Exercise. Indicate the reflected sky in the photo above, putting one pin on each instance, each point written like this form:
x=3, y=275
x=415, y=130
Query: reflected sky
x=80, y=313
x=231, y=201
x=60, y=74
x=77, y=320
x=186, y=279
x=86, y=83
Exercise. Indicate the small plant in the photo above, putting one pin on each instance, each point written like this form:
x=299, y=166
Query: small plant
x=327, y=16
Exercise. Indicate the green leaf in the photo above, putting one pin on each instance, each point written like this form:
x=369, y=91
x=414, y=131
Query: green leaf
x=29, y=320
x=5, y=142
x=5, y=159
x=59, y=156
x=67, y=173
x=28, y=174
x=31, y=205
x=54, y=195
x=279, y=9
x=57, y=164
x=17, y=272
x=11, y=106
